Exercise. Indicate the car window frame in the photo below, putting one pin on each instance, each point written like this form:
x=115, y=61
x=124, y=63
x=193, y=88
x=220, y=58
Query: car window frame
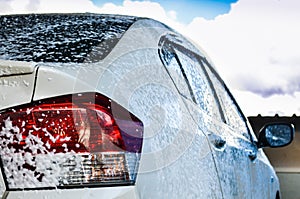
x=177, y=43
x=166, y=66
x=212, y=69
x=176, y=46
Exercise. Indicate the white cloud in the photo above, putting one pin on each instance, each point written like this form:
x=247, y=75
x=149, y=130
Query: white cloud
x=46, y=6
x=5, y=6
x=172, y=14
x=256, y=48
x=136, y=8
x=283, y=105
x=143, y=9
x=256, y=40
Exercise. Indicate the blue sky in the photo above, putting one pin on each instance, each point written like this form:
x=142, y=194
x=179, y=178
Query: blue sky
x=187, y=10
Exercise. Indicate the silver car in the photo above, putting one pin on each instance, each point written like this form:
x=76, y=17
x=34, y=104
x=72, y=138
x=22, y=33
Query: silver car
x=108, y=106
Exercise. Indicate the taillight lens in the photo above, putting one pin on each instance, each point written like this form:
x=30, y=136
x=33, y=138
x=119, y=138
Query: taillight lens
x=74, y=140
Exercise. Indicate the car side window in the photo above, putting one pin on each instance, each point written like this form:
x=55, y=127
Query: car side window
x=188, y=75
x=171, y=62
x=234, y=117
x=202, y=91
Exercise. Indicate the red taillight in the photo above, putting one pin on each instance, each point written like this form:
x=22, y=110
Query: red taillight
x=73, y=140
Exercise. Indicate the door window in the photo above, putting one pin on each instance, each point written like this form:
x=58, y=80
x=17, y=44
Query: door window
x=236, y=144
x=200, y=86
x=184, y=67
x=175, y=70
x=234, y=117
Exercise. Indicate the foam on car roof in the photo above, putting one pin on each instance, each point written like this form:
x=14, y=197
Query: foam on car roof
x=65, y=38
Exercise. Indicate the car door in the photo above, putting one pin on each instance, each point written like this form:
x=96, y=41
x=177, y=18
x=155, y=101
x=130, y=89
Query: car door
x=236, y=156
x=226, y=130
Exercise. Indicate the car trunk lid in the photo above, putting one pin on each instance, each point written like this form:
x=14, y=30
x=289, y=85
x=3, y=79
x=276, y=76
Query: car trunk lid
x=17, y=81
x=9, y=68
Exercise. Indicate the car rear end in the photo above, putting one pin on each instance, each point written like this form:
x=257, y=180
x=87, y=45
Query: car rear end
x=54, y=135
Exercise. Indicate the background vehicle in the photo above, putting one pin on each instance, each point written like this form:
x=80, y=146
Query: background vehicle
x=117, y=106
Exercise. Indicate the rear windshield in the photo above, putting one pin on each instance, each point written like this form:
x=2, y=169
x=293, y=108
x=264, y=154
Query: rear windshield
x=65, y=38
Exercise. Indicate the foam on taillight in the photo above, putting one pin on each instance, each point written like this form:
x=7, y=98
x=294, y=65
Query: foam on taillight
x=74, y=140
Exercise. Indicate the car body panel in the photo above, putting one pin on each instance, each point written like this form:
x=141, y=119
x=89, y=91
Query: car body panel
x=126, y=192
x=228, y=143
x=231, y=160
x=55, y=80
x=8, y=68
x=261, y=164
x=242, y=144
x=17, y=78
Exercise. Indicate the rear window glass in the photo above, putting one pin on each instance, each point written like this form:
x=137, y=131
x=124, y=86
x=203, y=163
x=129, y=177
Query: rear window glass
x=66, y=38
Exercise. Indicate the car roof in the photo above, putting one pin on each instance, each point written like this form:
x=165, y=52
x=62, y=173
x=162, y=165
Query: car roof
x=65, y=38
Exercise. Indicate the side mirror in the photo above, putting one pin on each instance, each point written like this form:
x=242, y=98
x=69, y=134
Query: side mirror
x=276, y=135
